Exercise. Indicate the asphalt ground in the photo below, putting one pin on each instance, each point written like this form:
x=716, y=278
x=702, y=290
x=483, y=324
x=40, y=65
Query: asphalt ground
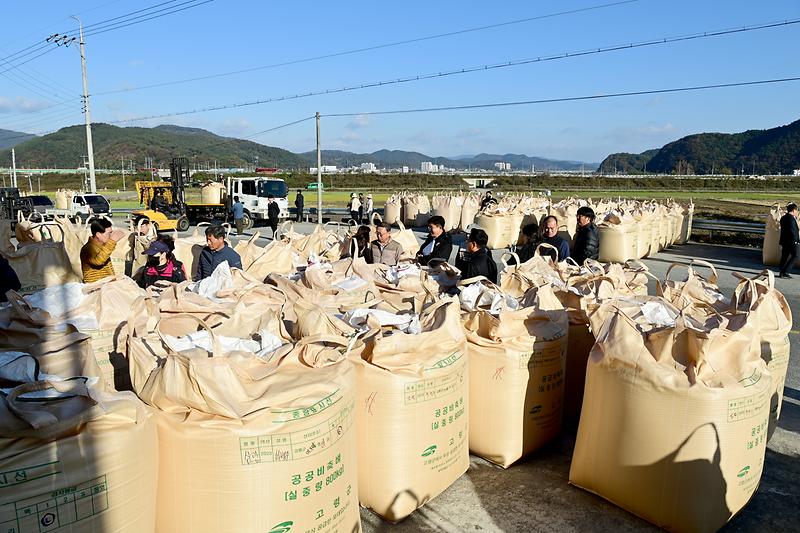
x=534, y=494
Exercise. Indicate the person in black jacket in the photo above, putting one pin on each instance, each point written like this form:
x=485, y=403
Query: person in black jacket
x=299, y=203
x=587, y=242
x=789, y=239
x=530, y=235
x=478, y=260
x=9, y=281
x=438, y=245
x=273, y=214
x=161, y=263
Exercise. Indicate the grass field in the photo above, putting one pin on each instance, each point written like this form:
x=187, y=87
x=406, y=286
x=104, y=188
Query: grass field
x=732, y=205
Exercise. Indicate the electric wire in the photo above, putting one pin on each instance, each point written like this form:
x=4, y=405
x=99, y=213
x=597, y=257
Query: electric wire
x=466, y=70
x=368, y=48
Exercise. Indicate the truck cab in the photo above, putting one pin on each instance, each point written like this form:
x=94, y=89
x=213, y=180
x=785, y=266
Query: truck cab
x=253, y=193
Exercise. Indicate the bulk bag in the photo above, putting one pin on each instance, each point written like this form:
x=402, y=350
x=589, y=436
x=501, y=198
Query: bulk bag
x=252, y=443
x=76, y=459
x=41, y=264
x=391, y=210
x=618, y=238
x=771, y=249
x=686, y=224
x=412, y=412
x=497, y=226
x=772, y=318
x=470, y=208
x=675, y=412
x=441, y=206
x=516, y=378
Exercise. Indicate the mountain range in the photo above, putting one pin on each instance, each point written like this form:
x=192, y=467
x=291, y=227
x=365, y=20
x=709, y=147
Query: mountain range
x=770, y=151
x=64, y=148
x=10, y=138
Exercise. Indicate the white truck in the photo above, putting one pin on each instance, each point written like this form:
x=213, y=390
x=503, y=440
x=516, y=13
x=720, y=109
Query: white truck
x=81, y=207
x=253, y=192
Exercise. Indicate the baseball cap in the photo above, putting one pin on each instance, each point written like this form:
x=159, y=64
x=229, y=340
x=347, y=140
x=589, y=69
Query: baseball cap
x=157, y=247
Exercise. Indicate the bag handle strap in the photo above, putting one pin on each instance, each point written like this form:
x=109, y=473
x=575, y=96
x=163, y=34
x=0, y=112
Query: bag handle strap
x=672, y=266
x=714, y=275
x=545, y=245
x=216, y=348
x=46, y=423
x=508, y=255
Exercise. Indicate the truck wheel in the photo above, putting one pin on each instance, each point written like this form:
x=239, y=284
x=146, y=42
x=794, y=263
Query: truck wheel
x=247, y=221
x=183, y=224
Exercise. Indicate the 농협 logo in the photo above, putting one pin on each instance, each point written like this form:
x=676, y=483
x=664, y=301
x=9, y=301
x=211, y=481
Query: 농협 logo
x=283, y=527
x=743, y=471
x=430, y=450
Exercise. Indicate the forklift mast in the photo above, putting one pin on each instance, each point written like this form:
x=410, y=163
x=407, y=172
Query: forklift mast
x=179, y=176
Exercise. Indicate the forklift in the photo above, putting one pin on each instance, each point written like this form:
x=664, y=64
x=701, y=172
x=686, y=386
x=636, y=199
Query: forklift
x=164, y=202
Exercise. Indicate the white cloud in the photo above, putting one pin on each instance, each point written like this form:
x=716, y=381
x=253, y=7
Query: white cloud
x=21, y=104
x=470, y=133
x=235, y=127
x=359, y=122
x=646, y=133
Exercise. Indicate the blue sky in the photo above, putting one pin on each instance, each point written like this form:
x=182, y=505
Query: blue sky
x=227, y=35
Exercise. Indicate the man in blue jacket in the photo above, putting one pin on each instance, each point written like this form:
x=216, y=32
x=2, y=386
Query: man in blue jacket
x=216, y=252
x=238, y=215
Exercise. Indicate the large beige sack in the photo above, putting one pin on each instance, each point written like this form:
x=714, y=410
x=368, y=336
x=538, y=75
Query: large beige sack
x=423, y=206
x=674, y=419
x=472, y=204
x=695, y=291
x=686, y=224
x=74, y=237
x=497, y=226
x=249, y=443
x=391, y=210
x=412, y=413
x=407, y=239
x=619, y=238
x=441, y=205
x=771, y=249
x=516, y=378
x=82, y=461
x=410, y=209
x=41, y=264
x=772, y=318
x=276, y=257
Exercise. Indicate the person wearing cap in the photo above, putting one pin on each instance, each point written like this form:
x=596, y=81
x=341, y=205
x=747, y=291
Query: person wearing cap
x=161, y=263
x=586, y=244
x=478, y=260
x=369, y=209
x=355, y=205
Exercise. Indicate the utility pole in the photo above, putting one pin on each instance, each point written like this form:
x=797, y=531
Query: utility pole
x=89, y=146
x=66, y=40
x=13, y=168
x=319, y=176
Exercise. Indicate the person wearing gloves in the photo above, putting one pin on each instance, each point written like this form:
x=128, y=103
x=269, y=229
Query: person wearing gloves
x=96, y=253
x=438, y=245
x=354, y=206
x=478, y=259
x=586, y=244
x=215, y=253
x=161, y=263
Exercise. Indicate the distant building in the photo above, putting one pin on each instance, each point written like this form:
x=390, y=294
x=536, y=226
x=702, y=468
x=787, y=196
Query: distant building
x=326, y=169
x=426, y=166
x=501, y=166
x=796, y=172
x=405, y=170
x=368, y=167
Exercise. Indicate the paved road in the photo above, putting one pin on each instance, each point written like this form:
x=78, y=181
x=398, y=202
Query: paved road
x=534, y=495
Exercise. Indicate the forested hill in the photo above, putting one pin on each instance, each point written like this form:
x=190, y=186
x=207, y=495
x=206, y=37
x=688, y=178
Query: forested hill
x=771, y=151
x=64, y=148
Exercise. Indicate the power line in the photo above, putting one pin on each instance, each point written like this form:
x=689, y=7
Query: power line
x=467, y=70
x=570, y=98
x=43, y=109
x=370, y=48
x=129, y=23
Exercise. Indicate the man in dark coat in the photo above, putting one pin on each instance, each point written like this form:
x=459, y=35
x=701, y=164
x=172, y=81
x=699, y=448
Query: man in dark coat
x=789, y=239
x=587, y=241
x=550, y=236
x=438, y=245
x=273, y=214
x=9, y=281
x=478, y=260
x=299, y=203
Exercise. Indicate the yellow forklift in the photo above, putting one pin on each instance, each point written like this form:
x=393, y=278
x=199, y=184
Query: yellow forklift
x=164, y=202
